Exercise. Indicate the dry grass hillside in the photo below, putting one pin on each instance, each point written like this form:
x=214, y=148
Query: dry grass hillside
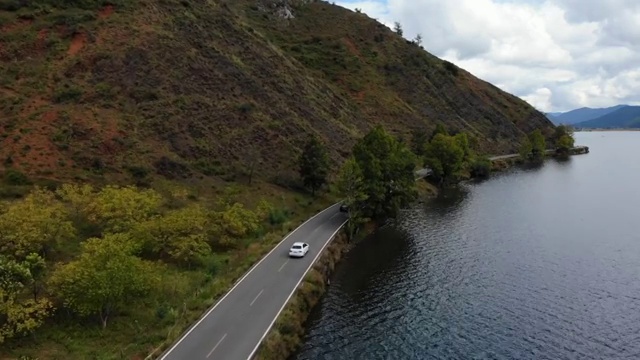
x=129, y=89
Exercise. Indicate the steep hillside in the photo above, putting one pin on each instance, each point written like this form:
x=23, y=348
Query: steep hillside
x=626, y=117
x=215, y=88
x=583, y=114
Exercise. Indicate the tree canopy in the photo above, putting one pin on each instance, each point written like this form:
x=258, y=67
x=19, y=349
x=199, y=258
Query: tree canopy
x=387, y=168
x=445, y=156
x=106, y=277
x=534, y=147
x=314, y=164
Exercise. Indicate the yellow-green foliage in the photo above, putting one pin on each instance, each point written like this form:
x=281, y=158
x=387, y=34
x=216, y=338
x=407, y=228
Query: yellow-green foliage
x=34, y=224
x=180, y=235
x=119, y=208
x=236, y=222
x=20, y=316
x=140, y=237
x=106, y=277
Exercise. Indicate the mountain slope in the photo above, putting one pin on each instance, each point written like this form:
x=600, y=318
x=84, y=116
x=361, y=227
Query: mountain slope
x=216, y=88
x=626, y=117
x=583, y=114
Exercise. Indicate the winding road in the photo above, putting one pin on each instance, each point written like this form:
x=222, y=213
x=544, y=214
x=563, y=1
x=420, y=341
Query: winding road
x=236, y=325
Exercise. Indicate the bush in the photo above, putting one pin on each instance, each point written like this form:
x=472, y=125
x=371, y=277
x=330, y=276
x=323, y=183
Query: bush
x=67, y=94
x=15, y=177
x=480, y=167
x=278, y=216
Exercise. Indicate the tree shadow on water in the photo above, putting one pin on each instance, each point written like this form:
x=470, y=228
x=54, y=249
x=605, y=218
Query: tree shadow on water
x=448, y=199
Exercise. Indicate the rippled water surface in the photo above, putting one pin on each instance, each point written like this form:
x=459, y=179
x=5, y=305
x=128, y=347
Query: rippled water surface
x=535, y=264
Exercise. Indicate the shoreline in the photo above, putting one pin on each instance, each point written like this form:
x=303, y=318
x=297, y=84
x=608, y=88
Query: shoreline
x=607, y=130
x=287, y=334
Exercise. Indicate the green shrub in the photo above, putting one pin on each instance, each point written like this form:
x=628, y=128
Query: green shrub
x=480, y=167
x=67, y=94
x=278, y=216
x=15, y=177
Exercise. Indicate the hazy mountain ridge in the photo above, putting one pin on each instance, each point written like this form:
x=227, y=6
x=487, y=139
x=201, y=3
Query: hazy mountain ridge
x=581, y=114
x=624, y=117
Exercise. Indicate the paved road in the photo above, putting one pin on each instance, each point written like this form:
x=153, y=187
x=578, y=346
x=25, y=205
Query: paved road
x=234, y=327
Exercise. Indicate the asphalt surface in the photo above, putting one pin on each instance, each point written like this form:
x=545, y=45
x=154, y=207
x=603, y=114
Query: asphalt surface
x=234, y=327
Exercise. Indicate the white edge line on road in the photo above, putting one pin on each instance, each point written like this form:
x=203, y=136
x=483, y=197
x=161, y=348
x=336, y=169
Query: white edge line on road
x=282, y=267
x=242, y=278
x=217, y=344
x=295, y=288
x=257, y=296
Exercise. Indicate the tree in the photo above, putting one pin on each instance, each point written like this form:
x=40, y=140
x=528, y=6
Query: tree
x=563, y=139
x=463, y=142
x=418, y=141
x=388, y=172
x=80, y=197
x=445, y=157
x=538, y=145
x=480, y=167
x=105, y=278
x=397, y=28
x=564, y=144
x=314, y=164
x=19, y=316
x=350, y=186
x=233, y=223
x=118, y=209
x=533, y=147
x=525, y=149
x=440, y=129
x=181, y=235
x=34, y=225
x=418, y=40
x=37, y=266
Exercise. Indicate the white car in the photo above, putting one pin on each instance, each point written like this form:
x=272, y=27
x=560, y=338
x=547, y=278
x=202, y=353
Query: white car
x=299, y=249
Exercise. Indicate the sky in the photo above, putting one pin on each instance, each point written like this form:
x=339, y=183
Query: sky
x=558, y=55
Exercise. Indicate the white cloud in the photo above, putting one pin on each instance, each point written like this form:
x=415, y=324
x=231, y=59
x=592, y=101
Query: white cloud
x=555, y=54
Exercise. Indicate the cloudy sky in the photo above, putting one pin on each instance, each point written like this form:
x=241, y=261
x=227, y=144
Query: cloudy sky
x=556, y=54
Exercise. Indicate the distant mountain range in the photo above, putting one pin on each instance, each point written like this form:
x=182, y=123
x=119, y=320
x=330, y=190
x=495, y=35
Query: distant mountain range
x=619, y=116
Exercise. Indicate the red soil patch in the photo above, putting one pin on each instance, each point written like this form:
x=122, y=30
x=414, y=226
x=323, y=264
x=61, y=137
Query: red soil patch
x=22, y=23
x=77, y=43
x=49, y=117
x=352, y=47
x=105, y=12
x=42, y=34
x=359, y=95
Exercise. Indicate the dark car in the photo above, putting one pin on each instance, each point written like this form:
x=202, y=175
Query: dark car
x=344, y=208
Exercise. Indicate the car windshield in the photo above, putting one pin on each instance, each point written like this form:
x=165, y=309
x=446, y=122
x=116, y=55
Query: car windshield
x=297, y=247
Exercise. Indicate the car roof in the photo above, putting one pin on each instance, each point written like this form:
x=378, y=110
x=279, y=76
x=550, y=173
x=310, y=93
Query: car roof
x=298, y=243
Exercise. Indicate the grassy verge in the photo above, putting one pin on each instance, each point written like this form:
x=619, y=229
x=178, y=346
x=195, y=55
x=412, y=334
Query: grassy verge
x=149, y=327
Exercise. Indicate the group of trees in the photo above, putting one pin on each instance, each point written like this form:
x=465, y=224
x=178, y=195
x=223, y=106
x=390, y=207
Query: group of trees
x=93, y=252
x=533, y=147
x=378, y=179
x=448, y=156
x=375, y=181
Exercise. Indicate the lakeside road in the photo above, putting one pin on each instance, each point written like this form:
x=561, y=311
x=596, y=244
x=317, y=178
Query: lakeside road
x=235, y=326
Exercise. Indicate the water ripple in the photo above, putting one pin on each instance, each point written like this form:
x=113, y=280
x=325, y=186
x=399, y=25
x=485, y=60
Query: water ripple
x=519, y=267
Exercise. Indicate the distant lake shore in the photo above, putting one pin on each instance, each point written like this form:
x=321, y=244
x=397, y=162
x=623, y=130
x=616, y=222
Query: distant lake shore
x=612, y=129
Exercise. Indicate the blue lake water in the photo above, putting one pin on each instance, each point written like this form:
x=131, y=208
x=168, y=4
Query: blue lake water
x=532, y=264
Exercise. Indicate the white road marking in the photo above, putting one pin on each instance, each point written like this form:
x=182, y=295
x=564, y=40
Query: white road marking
x=184, y=336
x=294, y=289
x=282, y=267
x=214, y=348
x=257, y=296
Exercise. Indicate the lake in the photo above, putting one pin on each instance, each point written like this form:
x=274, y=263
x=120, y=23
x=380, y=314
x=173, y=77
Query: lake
x=539, y=263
